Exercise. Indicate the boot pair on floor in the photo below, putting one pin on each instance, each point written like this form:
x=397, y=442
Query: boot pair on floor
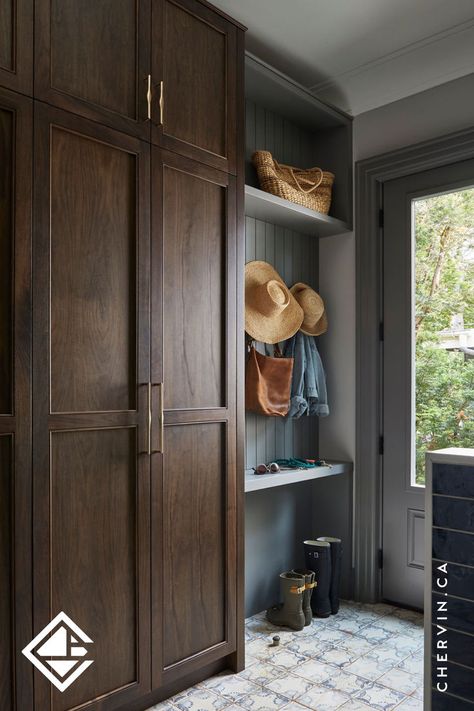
x=296, y=589
x=314, y=590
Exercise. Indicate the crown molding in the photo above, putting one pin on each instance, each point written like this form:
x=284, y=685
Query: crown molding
x=423, y=65
x=392, y=56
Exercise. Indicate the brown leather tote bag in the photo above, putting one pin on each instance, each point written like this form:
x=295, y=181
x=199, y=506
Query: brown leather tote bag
x=268, y=383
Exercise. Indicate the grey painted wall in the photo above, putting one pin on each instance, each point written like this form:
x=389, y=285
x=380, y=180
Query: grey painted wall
x=276, y=523
x=429, y=114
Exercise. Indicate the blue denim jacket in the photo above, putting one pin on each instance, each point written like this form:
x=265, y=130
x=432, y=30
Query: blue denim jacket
x=308, y=385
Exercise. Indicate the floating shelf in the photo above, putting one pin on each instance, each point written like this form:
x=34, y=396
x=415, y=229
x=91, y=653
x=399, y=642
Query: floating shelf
x=278, y=211
x=256, y=482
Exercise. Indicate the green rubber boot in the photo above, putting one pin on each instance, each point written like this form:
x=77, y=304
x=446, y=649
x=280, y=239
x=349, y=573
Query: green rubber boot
x=310, y=584
x=289, y=613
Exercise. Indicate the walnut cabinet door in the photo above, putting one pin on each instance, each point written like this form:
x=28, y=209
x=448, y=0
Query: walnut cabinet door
x=194, y=64
x=16, y=45
x=16, y=674
x=93, y=58
x=90, y=394
x=194, y=488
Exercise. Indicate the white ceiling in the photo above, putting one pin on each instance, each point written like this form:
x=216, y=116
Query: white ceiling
x=361, y=54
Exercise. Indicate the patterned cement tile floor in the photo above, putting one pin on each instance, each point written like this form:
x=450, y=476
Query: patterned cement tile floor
x=365, y=657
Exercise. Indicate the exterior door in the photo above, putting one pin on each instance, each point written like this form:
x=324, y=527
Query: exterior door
x=16, y=677
x=16, y=45
x=194, y=75
x=93, y=58
x=91, y=366
x=412, y=279
x=194, y=557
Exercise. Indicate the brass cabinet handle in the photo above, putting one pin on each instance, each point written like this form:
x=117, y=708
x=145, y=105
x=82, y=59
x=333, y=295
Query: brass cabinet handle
x=149, y=420
x=149, y=96
x=162, y=101
x=151, y=451
x=162, y=421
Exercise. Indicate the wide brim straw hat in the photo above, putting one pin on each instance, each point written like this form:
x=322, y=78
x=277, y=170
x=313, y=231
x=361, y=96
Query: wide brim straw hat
x=272, y=314
x=315, y=320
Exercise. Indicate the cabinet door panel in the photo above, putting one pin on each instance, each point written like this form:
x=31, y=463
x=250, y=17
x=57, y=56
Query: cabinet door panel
x=16, y=45
x=93, y=502
x=7, y=119
x=6, y=571
x=194, y=484
x=93, y=290
x=16, y=674
x=199, y=86
x=194, y=253
x=194, y=534
x=93, y=58
x=91, y=331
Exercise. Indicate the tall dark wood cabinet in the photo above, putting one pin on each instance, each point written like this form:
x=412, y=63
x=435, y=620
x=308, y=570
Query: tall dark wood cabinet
x=15, y=402
x=121, y=407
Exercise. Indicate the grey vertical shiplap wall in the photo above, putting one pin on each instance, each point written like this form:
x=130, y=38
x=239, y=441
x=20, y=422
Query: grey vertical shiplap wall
x=266, y=131
x=295, y=257
x=278, y=520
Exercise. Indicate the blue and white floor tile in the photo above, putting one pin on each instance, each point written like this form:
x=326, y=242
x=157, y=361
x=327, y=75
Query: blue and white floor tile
x=291, y=686
x=366, y=657
x=381, y=697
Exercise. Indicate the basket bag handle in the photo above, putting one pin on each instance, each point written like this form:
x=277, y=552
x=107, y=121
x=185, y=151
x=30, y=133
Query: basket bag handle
x=314, y=185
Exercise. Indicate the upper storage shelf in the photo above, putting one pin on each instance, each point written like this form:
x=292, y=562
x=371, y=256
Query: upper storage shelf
x=268, y=87
x=298, y=129
x=278, y=211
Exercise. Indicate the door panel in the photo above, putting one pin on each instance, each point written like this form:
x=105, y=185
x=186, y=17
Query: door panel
x=194, y=290
x=16, y=46
x=194, y=489
x=91, y=487
x=16, y=675
x=198, y=107
x=93, y=246
x=194, y=539
x=81, y=50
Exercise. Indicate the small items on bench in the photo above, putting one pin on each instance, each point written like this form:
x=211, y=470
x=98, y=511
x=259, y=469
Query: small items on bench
x=288, y=464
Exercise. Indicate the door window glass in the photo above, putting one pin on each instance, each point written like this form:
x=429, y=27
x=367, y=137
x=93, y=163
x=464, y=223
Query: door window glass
x=443, y=324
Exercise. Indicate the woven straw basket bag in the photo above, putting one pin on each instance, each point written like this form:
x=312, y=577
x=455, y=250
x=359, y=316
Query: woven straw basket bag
x=311, y=187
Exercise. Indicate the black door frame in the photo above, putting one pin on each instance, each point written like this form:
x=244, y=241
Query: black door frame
x=371, y=174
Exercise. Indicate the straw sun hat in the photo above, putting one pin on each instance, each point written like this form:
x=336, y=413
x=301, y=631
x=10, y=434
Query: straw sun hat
x=315, y=321
x=272, y=314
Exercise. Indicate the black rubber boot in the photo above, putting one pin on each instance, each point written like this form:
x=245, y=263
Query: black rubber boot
x=336, y=558
x=318, y=559
x=308, y=592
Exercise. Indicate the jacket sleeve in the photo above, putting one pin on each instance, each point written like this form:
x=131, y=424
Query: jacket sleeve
x=317, y=398
x=294, y=348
